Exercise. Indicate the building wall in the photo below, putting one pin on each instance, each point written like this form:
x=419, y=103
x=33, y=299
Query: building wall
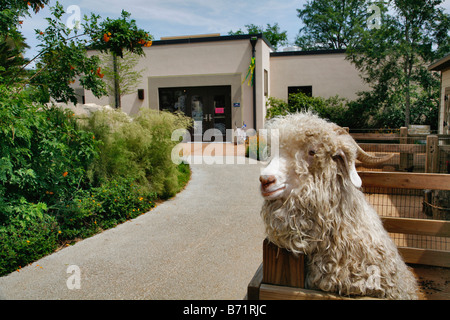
x=226, y=62
x=193, y=64
x=328, y=74
x=445, y=83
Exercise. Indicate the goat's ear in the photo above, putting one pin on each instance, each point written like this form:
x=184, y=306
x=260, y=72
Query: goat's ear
x=349, y=168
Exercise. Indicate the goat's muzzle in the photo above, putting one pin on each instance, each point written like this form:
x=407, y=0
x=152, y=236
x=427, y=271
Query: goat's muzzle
x=269, y=186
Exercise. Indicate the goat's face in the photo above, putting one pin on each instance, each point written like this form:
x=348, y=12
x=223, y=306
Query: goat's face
x=290, y=169
x=308, y=156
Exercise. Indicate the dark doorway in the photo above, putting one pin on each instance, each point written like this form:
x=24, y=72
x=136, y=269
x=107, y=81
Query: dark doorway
x=209, y=107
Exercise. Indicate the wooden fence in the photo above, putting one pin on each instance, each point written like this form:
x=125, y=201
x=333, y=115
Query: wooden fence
x=421, y=238
x=412, y=152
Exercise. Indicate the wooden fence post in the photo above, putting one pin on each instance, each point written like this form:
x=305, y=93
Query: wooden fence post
x=432, y=159
x=281, y=267
x=404, y=157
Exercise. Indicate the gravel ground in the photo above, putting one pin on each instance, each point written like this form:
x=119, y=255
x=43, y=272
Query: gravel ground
x=205, y=243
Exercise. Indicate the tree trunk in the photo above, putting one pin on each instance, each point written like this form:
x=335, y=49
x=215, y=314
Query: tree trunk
x=117, y=102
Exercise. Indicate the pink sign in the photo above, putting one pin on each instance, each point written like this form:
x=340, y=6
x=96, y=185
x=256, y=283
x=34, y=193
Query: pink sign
x=220, y=110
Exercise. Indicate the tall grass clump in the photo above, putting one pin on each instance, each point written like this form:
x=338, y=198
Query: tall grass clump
x=138, y=148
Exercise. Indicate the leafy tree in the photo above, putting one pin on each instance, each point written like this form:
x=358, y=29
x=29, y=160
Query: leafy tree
x=11, y=56
x=12, y=42
x=123, y=70
x=115, y=36
x=272, y=33
x=330, y=24
x=63, y=55
x=393, y=60
x=11, y=13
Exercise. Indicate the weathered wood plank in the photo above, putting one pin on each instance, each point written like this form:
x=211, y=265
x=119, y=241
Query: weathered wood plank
x=255, y=283
x=393, y=148
x=427, y=257
x=271, y=292
x=404, y=180
x=437, y=228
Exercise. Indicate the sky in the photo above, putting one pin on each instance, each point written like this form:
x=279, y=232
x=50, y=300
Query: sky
x=182, y=17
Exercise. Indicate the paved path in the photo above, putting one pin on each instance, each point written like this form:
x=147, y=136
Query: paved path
x=206, y=243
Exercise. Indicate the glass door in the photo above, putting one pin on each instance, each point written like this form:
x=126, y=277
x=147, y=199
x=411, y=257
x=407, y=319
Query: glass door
x=220, y=112
x=198, y=105
x=209, y=107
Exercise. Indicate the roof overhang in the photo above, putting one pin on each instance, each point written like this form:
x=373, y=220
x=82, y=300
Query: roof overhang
x=209, y=38
x=440, y=64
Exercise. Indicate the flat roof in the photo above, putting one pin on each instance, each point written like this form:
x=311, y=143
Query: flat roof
x=306, y=52
x=440, y=64
x=208, y=38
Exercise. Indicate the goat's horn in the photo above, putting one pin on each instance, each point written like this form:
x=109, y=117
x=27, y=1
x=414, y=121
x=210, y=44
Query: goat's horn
x=366, y=158
x=363, y=156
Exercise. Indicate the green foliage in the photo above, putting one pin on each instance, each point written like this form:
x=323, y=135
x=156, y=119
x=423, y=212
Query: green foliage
x=59, y=181
x=63, y=57
x=117, y=35
x=138, y=149
x=103, y=207
x=392, y=57
x=12, y=11
x=28, y=234
x=43, y=154
x=335, y=109
x=272, y=33
x=330, y=24
x=393, y=60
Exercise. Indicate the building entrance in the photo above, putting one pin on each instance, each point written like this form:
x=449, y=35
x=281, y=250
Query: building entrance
x=209, y=107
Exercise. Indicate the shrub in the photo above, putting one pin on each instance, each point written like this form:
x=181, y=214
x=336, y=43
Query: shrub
x=334, y=108
x=137, y=149
x=43, y=154
x=103, y=207
x=257, y=148
x=27, y=234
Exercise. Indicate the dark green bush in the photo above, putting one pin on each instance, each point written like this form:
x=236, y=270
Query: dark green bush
x=28, y=233
x=334, y=108
x=103, y=207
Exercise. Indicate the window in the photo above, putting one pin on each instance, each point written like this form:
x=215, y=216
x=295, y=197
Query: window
x=266, y=83
x=172, y=99
x=304, y=89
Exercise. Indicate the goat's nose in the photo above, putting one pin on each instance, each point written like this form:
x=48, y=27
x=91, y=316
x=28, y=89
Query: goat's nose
x=267, y=180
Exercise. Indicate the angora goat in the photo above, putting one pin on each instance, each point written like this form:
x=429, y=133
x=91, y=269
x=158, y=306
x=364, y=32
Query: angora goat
x=313, y=204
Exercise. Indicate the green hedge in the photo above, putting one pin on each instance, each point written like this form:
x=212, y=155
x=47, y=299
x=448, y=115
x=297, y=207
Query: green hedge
x=61, y=181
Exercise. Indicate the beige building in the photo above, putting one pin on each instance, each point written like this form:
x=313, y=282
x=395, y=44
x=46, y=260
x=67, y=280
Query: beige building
x=205, y=77
x=443, y=65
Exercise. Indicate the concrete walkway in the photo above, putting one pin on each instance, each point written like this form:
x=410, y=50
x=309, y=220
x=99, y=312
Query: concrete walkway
x=205, y=243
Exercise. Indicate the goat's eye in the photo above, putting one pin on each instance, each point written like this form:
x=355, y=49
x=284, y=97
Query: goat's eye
x=311, y=153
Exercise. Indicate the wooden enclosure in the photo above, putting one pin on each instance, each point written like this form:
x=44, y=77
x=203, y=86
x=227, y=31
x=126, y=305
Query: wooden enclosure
x=429, y=153
x=282, y=275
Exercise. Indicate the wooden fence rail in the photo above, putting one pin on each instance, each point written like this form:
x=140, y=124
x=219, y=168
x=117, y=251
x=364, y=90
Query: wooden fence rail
x=413, y=152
